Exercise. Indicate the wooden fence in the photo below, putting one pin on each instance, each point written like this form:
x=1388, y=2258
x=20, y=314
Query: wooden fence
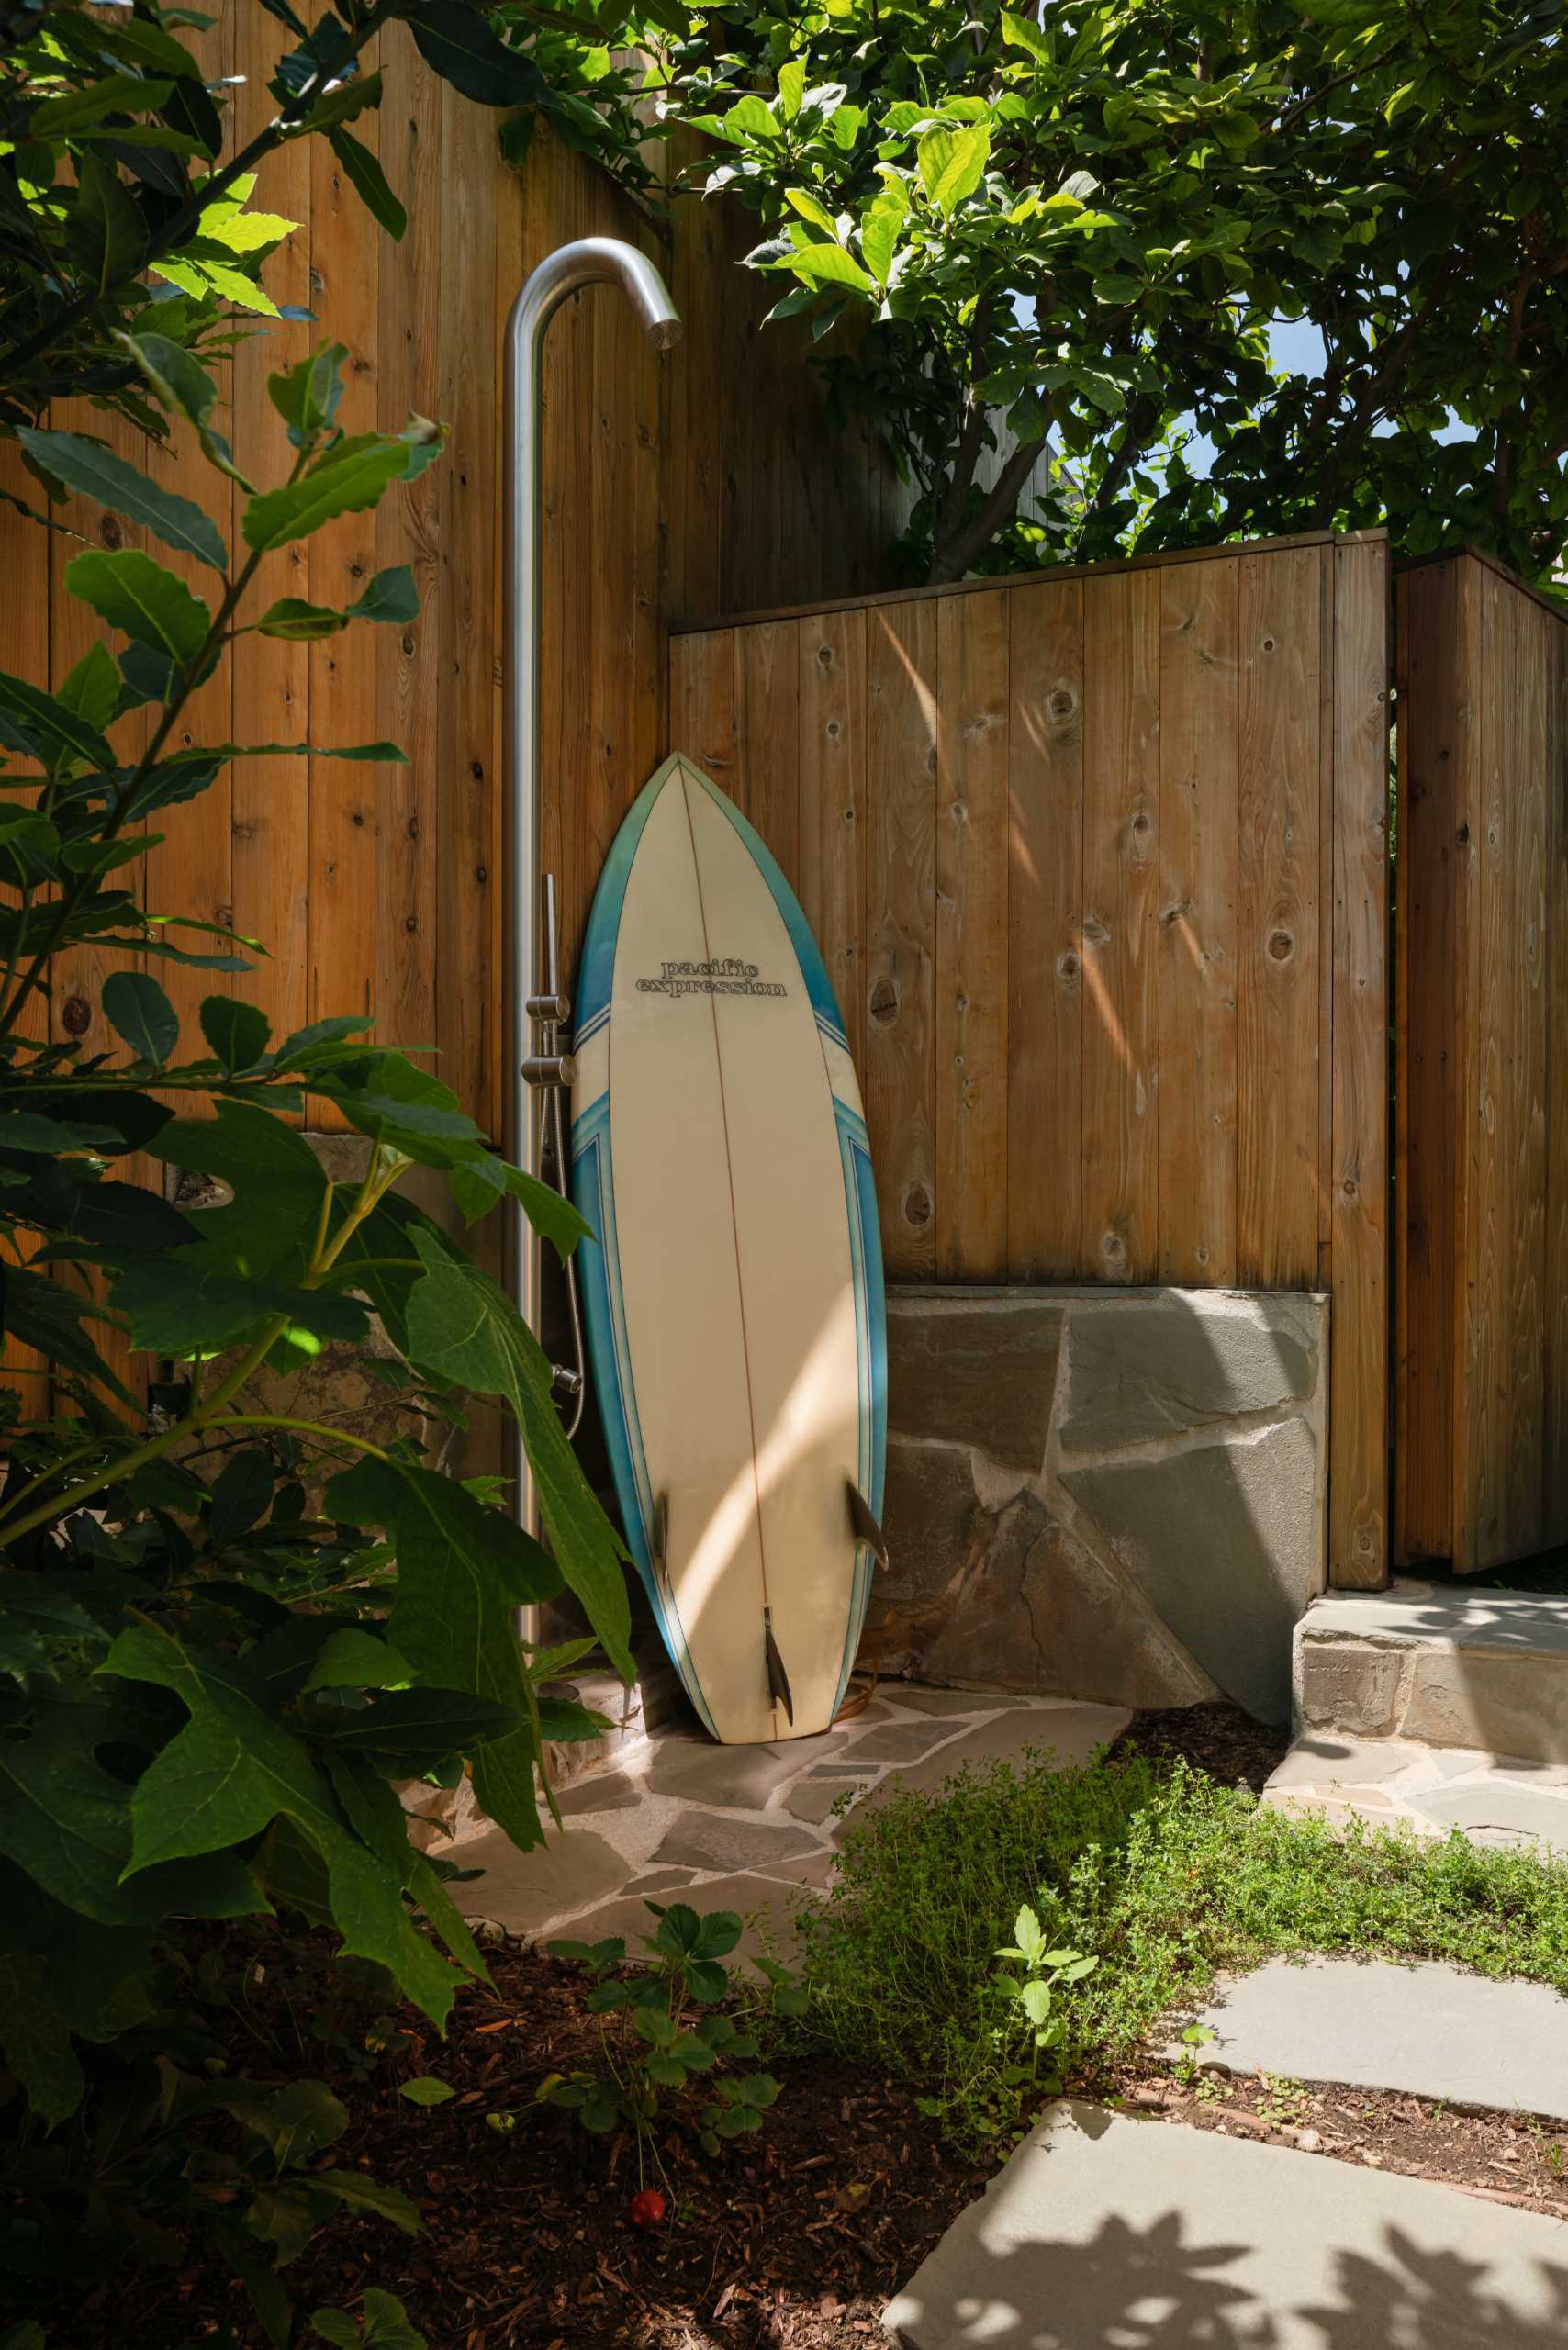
x=1482, y=1337
x=1098, y=864
x=705, y=479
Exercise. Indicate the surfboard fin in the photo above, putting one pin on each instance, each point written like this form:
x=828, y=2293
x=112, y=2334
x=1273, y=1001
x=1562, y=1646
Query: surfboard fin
x=863, y=1522
x=660, y=1541
x=777, y=1679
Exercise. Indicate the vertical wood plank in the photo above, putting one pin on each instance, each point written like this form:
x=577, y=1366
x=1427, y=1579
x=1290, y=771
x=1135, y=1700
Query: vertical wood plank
x=705, y=703
x=1358, y=1488
x=832, y=807
x=1486, y=1338
x=1278, y=1006
x=1431, y=693
x=901, y=883
x=1467, y=724
x=468, y=940
x=346, y=804
x=1045, y=740
x=24, y=652
x=408, y=530
x=1200, y=715
x=1121, y=929
x=1554, y=1465
x=270, y=798
x=1526, y=1232
x=972, y=937
x=767, y=786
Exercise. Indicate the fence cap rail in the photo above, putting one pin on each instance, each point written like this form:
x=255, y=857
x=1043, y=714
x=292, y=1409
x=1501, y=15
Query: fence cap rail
x=1229, y=547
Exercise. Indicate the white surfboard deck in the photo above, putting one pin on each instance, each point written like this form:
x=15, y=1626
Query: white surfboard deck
x=733, y=1296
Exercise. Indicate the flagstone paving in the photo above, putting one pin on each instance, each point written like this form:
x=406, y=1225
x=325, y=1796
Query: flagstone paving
x=1427, y=2029
x=748, y=1827
x=1495, y=1798
x=1104, y=2230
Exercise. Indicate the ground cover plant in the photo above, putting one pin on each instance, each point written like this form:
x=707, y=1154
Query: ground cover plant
x=1161, y=1875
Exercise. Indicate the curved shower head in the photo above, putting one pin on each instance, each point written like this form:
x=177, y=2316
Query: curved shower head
x=589, y=260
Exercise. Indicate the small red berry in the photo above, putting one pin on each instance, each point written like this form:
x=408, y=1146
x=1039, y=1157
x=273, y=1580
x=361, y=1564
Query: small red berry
x=647, y=2208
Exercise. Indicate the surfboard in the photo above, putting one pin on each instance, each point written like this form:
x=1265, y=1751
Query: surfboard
x=733, y=1294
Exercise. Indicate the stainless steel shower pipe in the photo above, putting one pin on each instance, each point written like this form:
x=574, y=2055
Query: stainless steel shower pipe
x=588, y=261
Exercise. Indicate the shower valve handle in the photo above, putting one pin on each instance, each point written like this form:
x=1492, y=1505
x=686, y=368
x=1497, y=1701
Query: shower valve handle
x=550, y=1068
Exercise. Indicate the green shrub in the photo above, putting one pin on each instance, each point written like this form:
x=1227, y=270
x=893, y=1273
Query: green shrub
x=1155, y=1871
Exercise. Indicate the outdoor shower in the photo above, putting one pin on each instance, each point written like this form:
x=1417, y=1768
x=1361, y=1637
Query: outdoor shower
x=539, y=1007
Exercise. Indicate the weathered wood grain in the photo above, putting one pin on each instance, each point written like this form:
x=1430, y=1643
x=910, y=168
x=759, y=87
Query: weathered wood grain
x=972, y=939
x=1199, y=746
x=1277, y=999
x=1426, y=1092
x=833, y=806
x=1045, y=1106
x=768, y=784
x=1554, y=1449
x=902, y=701
x=1120, y=1178
x=1358, y=1465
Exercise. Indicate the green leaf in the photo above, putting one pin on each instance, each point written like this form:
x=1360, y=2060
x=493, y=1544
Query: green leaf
x=369, y=181
x=426, y=2091
x=176, y=378
x=104, y=857
x=809, y=209
x=829, y=265
x=346, y=484
x=238, y=1031
x=1035, y=1999
x=47, y=726
x=463, y=1326
x=1023, y=35
x=298, y=622
x=477, y=1183
x=110, y=234
x=459, y=45
x=229, y=1773
x=91, y=689
x=137, y=1008
x=306, y=396
x=881, y=228
x=357, y=2193
x=135, y=594
x=952, y=163
x=96, y=472
x=352, y=1658
x=30, y=1131
x=391, y=596
x=301, y=2118
x=240, y=1495
x=35, y=2040
x=462, y=1569
x=415, y=1730
x=279, y=1187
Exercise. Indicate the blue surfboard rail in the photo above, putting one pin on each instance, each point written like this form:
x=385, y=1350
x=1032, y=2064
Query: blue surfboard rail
x=593, y=1191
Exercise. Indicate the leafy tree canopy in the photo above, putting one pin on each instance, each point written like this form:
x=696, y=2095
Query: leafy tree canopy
x=1071, y=227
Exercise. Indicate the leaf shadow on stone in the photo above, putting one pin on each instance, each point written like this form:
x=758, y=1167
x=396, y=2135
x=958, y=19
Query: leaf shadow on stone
x=1165, y=2287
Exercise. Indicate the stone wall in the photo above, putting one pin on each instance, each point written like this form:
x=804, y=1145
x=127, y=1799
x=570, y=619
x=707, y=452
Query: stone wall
x=1103, y=1493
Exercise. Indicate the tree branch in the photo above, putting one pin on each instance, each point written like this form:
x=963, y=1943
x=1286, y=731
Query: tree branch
x=951, y=561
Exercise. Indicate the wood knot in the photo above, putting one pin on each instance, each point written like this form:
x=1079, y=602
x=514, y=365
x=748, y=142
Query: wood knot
x=917, y=1205
x=883, y=1003
x=110, y=532
x=1281, y=947
x=1267, y=644
x=1067, y=967
x=1062, y=704
x=76, y=1015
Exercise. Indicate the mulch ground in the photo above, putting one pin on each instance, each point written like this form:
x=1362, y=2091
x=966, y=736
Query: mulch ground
x=1217, y=1739
x=1504, y=2158
x=791, y=2240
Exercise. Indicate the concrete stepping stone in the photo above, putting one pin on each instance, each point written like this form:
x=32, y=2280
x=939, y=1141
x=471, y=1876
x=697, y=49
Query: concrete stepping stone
x=1428, y=2030
x=1103, y=2231
x=766, y=1907
x=605, y=1791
